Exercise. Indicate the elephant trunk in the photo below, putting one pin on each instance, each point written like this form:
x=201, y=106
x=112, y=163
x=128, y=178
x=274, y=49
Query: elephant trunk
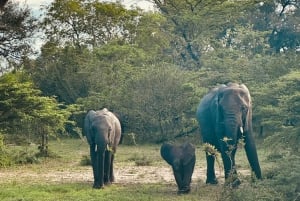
x=251, y=153
x=233, y=127
x=233, y=130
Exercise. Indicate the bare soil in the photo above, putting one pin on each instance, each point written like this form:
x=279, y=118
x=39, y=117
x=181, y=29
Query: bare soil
x=83, y=174
x=66, y=170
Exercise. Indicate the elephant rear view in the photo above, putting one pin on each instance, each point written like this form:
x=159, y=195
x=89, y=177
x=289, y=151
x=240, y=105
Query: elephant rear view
x=225, y=116
x=103, y=132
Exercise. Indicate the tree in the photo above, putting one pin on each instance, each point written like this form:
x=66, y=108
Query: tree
x=2, y=3
x=280, y=20
x=87, y=23
x=158, y=103
x=57, y=72
x=252, y=27
x=283, y=111
x=196, y=23
x=16, y=29
x=151, y=36
x=26, y=116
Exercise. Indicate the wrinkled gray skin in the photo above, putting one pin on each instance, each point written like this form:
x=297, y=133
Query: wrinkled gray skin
x=226, y=112
x=182, y=159
x=103, y=132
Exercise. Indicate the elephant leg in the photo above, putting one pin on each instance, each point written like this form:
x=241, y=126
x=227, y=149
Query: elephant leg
x=210, y=172
x=99, y=169
x=227, y=162
x=94, y=161
x=232, y=176
x=112, y=176
x=107, y=164
x=187, y=172
x=178, y=177
x=251, y=153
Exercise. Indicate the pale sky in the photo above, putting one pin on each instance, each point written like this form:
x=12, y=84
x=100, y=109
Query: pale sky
x=35, y=5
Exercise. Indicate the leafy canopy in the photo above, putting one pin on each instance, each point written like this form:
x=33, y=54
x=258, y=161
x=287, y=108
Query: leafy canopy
x=26, y=115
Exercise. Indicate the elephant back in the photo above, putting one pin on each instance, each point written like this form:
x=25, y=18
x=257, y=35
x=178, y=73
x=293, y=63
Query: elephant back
x=174, y=153
x=188, y=151
x=115, y=127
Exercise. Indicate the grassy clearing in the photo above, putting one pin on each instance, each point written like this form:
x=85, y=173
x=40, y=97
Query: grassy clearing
x=142, y=175
x=81, y=191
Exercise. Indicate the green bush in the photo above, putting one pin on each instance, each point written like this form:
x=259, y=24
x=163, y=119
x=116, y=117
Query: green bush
x=284, y=178
x=5, y=159
x=86, y=160
x=25, y=157
x=251, y=192
x=141, y=159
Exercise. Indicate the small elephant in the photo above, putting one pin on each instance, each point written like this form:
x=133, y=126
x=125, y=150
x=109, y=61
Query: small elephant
x=225, y=117
x=182, y=158
x=103, y=132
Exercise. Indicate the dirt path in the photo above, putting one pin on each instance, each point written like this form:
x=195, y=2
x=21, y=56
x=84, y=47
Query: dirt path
x=134, y=174
x=124, y=175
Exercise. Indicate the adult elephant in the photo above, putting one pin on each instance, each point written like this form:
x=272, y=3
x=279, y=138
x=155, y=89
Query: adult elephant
x=103, y=132
x=182, y=159
x=225, y=116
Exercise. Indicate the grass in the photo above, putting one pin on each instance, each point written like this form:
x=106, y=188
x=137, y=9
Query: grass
x=35, y=182
x=81, y=191
x=77, y=191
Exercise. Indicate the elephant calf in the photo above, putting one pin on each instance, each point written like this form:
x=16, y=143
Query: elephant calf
x=182, y=158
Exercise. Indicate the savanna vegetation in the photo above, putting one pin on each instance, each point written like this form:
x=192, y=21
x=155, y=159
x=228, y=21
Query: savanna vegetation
x=152, y=68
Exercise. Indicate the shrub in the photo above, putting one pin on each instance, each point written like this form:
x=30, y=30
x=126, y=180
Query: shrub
x=141, y=160
x=251, y=192
x=86, y=160
x=25, y=157
x=284, y=178
x=5, y=159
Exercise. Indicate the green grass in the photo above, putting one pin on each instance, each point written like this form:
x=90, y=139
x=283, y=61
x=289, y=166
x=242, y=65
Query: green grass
x=83, y=191
x=70, y=153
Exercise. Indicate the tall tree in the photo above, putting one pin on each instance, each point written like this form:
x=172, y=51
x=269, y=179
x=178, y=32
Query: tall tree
x=57, y=72
x=87, y=23
x=16, y=29
x=280, y=19
x=158, y=103
x=195, y=23
x=151, y=36
x=2, y=3
x=26, y=115
x=249, y=26
x=281, y=104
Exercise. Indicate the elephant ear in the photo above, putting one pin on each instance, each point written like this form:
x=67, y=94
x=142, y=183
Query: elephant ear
x=219, y=112
x=87, y=125
x=188, y=153
x=166, y=152
x=248, y=120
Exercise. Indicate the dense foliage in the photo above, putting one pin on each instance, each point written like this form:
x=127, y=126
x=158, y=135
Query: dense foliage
x=17, y=27
x=26, y=115
x=152, y=68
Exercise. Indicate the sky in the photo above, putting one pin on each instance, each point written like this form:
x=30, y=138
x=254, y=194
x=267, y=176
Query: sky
x=35, y=5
